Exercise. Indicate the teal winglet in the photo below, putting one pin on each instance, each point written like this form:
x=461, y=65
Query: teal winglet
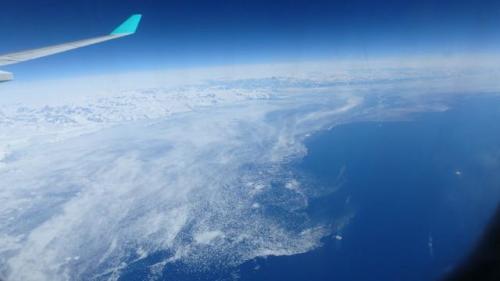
x=129, y=26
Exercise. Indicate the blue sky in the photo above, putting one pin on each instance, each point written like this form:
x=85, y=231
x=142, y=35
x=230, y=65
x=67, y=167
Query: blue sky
x=179, y=34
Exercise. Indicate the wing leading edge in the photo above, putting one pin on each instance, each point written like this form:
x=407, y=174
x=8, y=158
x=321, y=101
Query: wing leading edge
x=128, y=27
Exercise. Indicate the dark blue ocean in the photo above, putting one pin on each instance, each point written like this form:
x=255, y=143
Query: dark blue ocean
x=421, y=191
x=433, y=180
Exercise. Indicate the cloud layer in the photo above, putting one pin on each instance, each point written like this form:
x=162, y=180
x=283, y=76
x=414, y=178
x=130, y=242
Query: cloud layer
x=196, y=174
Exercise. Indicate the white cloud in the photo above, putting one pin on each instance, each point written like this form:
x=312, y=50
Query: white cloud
x=151, y=185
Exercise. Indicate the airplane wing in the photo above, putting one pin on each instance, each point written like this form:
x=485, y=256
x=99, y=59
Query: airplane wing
x=128, y=27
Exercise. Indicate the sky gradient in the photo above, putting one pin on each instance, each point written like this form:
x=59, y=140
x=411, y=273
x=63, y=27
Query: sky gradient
x=181, y=34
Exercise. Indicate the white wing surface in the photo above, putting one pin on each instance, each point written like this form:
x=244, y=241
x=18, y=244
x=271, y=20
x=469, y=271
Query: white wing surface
x=128, y=27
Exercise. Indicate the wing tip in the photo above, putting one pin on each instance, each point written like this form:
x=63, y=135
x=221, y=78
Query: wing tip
x=129, y=26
